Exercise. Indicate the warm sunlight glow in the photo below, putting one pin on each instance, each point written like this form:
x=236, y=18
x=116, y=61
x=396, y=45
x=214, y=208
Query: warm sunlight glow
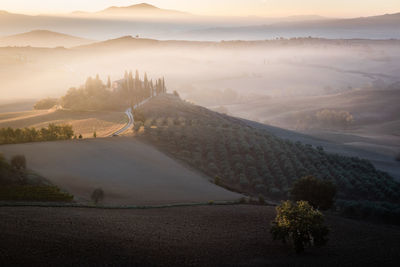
x=272, y=8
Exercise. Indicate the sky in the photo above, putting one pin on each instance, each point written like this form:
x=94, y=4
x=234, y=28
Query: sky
x=267, y=8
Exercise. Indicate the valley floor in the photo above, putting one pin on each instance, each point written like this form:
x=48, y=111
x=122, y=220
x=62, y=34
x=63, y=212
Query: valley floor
x=197, y=236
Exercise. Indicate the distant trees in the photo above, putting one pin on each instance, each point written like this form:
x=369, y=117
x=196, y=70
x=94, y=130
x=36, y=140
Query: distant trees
x=46, y=103
x=51, y=133
x=319, y=193
x=94, y=95
x=300, y=224
x=108, y=82
x=334, y=118
x=326, y=118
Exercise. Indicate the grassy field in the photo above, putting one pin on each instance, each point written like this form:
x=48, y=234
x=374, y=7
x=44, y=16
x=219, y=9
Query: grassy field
x=83, y=122
x=130, y=172
x=187, y=236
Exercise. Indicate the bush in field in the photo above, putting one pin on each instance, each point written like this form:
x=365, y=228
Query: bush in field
x=300, y=224
x=217, y=180
x=19, y=162
x=318, y=193
x=97, y=195
x=46, y=103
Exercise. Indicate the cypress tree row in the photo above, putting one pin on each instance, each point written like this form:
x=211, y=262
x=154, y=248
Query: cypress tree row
x=129, y=91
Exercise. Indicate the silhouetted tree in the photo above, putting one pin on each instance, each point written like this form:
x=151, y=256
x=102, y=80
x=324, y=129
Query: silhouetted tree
x=319, y=193
x=108, y=82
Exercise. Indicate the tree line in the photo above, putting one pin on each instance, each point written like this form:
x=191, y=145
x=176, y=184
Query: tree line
x=97, y=95
x=51, y=133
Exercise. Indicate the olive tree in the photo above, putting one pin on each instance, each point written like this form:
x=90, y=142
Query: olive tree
x=300, y=224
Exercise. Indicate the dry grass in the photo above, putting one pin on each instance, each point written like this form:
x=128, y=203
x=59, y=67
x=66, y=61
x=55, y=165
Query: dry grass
x=83, y=122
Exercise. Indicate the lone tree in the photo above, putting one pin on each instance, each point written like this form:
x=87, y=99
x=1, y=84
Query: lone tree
x=319, y=193
x=97, y=195
x=300, y=224
x=19, y=162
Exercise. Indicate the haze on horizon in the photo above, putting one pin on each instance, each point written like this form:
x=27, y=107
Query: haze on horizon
x=265, y=8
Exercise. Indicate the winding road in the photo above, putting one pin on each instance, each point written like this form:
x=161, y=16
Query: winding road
x=131, y=121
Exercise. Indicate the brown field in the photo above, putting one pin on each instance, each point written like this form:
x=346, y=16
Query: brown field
x=130, y=172
x=83, y=122
x=186, y=236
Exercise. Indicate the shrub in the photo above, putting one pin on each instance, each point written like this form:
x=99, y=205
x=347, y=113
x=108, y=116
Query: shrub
x=317, y=192
x=217, y=180
x=94, y=134
x=97, y=195
x=19, y=162
x=46, y=103
x=300, y=224
x=80, y=136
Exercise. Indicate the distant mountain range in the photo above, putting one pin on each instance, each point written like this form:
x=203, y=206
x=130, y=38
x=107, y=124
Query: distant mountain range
x=43, y=38
x=139, y=10
x=166, y=24
x=376, y=27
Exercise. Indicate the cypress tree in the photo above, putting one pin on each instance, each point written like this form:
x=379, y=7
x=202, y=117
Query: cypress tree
x=108, y=82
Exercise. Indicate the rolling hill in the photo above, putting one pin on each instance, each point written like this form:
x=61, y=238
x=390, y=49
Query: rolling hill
x=376, y=27
x=130, y=172
x=252, y=159
x=132, y=20
x=43, y=38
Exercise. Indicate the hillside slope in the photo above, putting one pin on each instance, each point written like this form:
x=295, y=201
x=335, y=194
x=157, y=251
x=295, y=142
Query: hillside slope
x=253, y=160
x=130, y=172
x=43, y=38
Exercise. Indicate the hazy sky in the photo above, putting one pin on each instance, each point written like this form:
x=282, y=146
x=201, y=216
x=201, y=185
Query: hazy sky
x=333, y=8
